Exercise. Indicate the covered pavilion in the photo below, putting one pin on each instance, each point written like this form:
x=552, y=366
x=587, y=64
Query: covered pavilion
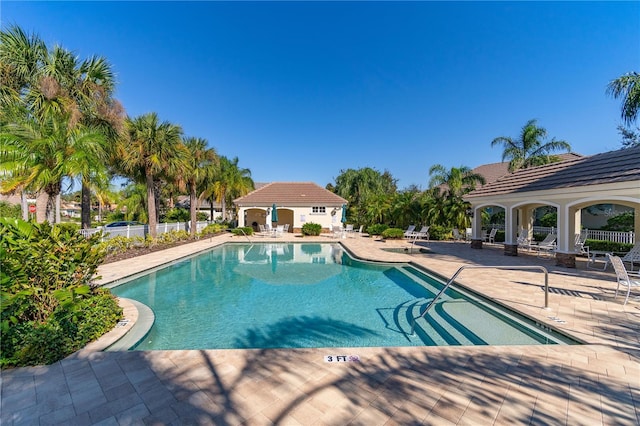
x=569, y=186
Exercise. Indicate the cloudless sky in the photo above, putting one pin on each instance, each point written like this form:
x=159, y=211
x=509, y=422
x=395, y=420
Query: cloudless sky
x=299, y=91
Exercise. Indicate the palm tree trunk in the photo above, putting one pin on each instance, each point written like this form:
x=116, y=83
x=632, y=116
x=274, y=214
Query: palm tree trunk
x=24, y=206
x=85, y=206
x=151, y=205
x=192, y=209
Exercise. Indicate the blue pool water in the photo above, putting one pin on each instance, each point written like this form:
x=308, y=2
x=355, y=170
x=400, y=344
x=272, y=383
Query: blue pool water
x=310, y=295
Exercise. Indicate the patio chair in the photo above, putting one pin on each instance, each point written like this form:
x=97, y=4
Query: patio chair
x=456, y=235
x=632, y=256
x=422, y=234
x=279, y=230
x=491, y=238
x=523, y=239
x=623, y=276
x=338, y=231
x=546, y=246
x=409, y=232
x=579, y=243
x=359, y=231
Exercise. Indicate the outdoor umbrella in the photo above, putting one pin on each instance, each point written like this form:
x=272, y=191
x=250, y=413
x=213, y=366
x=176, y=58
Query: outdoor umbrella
x=274, y=213
x=344, y=213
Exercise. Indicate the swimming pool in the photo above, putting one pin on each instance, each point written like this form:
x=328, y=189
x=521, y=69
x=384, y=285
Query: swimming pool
x=299, y=295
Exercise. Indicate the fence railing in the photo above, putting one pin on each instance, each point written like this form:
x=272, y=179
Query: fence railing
x=615, y=236
x=141, y=230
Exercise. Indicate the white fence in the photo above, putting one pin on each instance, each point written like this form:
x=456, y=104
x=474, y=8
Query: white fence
x=141, y=230
x=615, y=236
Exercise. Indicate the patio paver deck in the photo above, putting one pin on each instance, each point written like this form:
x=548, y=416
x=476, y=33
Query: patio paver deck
x=591, y=384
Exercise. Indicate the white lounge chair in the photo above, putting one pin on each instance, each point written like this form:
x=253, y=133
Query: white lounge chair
x=491, y=238
x=546, y=246
x=422, y=234
x=623, y=276
x=579, y=243
x=409, y=232
x=456, y=235
x=632, y=256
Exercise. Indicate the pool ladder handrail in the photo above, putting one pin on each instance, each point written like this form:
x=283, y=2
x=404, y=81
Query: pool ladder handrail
x=452, y=279
x=245, y=234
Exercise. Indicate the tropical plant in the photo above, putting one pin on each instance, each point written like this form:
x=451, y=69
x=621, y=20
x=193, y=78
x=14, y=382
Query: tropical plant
x=312, y=229
x=49, y=308
x=9, y=210
x=630, y=137
x=627, y=87
x=362, y=188
x=54, y=85
x=456, y=181
x=199, y=157
x=39, y=153
x=227, y=182
x=530, y=149
x=150, y=150
x=393, y=234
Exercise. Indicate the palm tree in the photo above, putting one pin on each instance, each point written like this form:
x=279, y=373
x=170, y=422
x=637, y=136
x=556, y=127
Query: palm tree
x=21, y=55
x=458, y=180
x=529, y=150
x=47, y=83
x=199, y=157
x=228, y=182
x=360, y=186
x=41, y=152
x=149, y=150
x=627, y=87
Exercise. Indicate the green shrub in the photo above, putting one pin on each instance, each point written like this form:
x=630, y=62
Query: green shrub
x=213, y=228
x=608, y=246
x=244, y=230
x=171, y=237
x=439, y=233
x=500, y=236
x=49, y=308
x=376, y=229
x=68, y=226
x=176, y=215
x=312, y=229
x=393, y=234
x=201, y=217
x=10, y=210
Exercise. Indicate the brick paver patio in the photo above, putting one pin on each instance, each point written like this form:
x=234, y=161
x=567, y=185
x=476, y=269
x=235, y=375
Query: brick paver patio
x=591, y=384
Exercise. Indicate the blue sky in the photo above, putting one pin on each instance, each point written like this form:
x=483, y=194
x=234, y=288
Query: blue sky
x=299, y=91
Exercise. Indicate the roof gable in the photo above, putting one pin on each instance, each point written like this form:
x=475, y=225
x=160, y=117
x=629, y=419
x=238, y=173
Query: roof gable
x=290, y=194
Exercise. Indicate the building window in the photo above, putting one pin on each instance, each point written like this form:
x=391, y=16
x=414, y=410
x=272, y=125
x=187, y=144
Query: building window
x=318, y=210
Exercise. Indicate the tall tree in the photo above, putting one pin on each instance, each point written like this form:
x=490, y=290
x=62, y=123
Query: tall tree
x=198, y=158
x=40, y=152
x=360, y=186
x=48, y=84
x=627, y=87
x=230, y=182
x=150, y=149
x=448, y=187
x=529, y=149
x=457, y=180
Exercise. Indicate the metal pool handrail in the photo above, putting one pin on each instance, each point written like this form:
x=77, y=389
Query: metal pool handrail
x=446, y=286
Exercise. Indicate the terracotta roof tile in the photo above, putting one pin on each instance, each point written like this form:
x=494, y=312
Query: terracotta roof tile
x=608, y=167
x=290, y=194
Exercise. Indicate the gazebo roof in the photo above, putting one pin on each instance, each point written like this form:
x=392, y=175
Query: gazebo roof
x=609, y=167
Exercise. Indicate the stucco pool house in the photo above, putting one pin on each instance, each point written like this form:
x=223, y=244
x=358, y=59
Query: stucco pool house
x=297, y=203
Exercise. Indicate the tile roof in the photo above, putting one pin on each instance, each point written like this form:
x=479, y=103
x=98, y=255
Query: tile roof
x=290, y=194
x=494, y=171
x=609, y=167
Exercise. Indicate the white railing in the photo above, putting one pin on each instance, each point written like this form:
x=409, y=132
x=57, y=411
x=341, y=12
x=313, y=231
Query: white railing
x=615, y=236
x=141, y=230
